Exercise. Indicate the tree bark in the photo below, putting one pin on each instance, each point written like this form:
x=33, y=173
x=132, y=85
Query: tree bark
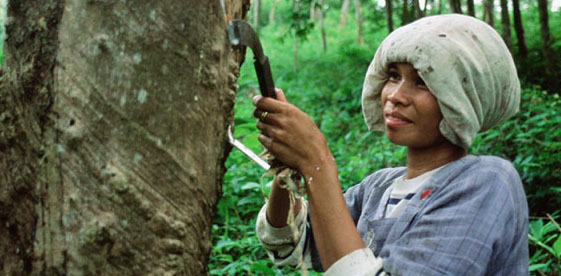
x=471, y=8
x=389, y=15
x=522, y=50
x=358, y=15
x=455, y=6
x=113, y=135
x=488, y=14
x=544, y=33
x=344, y=10
x=505, y=24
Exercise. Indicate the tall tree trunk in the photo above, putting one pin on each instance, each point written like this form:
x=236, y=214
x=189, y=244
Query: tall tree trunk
x=455, y=6
x=544, y=32
x=471, y=8
x=440, y=6
x=295, y=8
x=404, y=13
x=488, y=12
x=417, y=9
x=313, y=12
x=358, y=15
x=522, y=50
x=505, y=24
x=344, y=10
x=272, y=11
x=425, y=6
x=256, y=7
x=389, y=15
x=322, y=26
x=113, y=118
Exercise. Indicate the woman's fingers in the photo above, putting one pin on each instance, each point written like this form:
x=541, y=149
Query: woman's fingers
x=269, y=104
x=280, y=95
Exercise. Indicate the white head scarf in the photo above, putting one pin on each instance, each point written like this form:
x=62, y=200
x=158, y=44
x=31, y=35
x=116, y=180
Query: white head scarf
x=463, y=62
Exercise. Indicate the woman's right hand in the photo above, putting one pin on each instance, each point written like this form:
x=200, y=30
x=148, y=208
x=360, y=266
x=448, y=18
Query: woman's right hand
x=290, y=134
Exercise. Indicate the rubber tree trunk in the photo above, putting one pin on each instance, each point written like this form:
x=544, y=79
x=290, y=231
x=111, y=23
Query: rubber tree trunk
x=488, y=12
x=256, y=7
x=417, y=9
x=389, y=17
x=322, y=25
x=471, y=8
x=455, y=6
x=272, y=11
x=113, y=135
x=544, y=32
x=426, y=4
x=505, y=24
x=358, y=15
x=404, y=13
x=521, y=42
x=343, y=15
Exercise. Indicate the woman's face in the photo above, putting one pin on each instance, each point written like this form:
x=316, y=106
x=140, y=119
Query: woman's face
x=411, y=113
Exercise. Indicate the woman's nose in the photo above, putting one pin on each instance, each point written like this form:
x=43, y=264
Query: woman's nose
x=399, y=95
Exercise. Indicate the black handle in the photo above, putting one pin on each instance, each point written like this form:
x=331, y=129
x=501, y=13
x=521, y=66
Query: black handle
x=265, y=78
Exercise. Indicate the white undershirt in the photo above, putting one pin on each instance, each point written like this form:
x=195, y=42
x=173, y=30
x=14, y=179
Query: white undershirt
x=402, y=190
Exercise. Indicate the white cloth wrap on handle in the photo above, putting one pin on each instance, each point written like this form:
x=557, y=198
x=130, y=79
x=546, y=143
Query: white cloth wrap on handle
x=465, y=64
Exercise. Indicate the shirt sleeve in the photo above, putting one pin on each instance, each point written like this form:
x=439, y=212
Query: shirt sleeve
x=284, y=246
x=360, y=262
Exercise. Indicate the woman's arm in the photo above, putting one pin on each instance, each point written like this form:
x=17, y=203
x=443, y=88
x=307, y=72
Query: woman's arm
x=292, y=137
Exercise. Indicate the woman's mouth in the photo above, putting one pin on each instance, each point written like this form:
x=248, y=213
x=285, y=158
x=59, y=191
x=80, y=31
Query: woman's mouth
x=395, y=119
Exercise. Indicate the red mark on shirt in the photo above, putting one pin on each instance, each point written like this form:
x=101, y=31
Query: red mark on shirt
x=425, y=194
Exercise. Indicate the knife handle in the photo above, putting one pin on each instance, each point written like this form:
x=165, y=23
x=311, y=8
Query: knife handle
x=265, y=78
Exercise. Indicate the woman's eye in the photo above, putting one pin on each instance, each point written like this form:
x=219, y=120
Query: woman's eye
x=393, y=76
x=421, y=83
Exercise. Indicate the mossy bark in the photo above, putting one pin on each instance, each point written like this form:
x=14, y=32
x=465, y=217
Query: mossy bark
x=113, y=118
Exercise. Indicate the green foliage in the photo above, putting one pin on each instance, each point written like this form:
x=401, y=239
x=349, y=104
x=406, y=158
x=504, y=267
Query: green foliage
x=545, y=246
x=531, y=141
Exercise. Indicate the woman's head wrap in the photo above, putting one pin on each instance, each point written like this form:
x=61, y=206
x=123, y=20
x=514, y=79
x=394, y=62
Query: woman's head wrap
x=464, y=63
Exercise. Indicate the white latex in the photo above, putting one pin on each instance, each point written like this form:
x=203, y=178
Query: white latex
x=465, y=64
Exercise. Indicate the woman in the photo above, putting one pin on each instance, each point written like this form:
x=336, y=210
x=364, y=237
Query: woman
x=432, y=86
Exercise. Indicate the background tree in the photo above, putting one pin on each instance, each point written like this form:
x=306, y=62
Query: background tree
x=417, y=9
x=358, y=15
x=389, y=18
x=488, y=12
x=521, y=42
x=546, y=43
x=113, y=135
x=405, y=17
x=455, y=6
x=470, y=7
x=272, y=11
x=256, y=7
x=343, y=14
x=505, y=24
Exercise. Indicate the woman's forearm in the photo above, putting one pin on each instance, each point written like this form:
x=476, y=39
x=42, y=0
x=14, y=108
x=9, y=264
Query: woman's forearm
x=279, y=205
x=335, y=233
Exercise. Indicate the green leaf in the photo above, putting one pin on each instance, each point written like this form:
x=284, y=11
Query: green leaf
x=263, y=269
x=251, y=186
x=537, y=266
x=557, y=247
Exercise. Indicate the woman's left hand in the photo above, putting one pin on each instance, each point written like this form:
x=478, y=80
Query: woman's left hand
x=290, y=134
